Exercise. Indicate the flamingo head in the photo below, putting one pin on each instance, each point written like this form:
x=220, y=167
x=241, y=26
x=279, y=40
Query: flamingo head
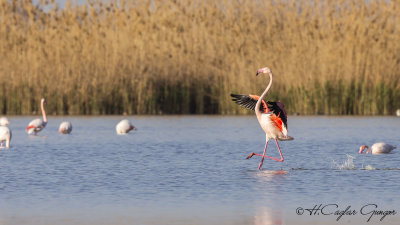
x=44, y=101
x=264, y=70
x=362, y=148
x=132, y=128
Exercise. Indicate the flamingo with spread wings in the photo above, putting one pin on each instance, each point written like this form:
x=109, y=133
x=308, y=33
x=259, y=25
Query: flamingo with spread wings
x=271, y=116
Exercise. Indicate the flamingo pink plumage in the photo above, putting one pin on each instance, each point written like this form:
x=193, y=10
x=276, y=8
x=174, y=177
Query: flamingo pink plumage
x=124, y=126
x=37, y=125
x=271, y=116
x=377, y=148
x=65, y=127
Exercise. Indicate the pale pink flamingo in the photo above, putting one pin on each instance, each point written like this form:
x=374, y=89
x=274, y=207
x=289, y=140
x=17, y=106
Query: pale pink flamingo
x=37, y=125
x=124, y=126
x=65, y=127
x=4, y=121
x=271, y=116
x=5, y=135
x=377, y=148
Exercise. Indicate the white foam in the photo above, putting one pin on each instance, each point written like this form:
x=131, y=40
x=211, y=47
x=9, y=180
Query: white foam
x=369, y=167
x=346, y=165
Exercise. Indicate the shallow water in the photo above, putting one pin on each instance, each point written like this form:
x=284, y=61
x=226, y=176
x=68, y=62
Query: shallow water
x=192, y=170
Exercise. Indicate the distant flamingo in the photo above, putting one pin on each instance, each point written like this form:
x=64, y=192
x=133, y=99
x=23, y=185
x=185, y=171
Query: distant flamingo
x=4, y=121
x=124, y=126
x=37, y=125
x=270, y=115
x=65, y=127
x=377, y=148
x=5, y=135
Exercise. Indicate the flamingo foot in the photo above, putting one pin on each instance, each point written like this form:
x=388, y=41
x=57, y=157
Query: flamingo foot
x=251, y=155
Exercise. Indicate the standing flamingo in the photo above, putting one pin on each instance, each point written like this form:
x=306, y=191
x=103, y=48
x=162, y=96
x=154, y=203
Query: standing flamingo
x=5, y=135
x=271, y=116
x=65, y=127
x=4, y=121
x=124, y=126
x=37, y=125
x=377, y=148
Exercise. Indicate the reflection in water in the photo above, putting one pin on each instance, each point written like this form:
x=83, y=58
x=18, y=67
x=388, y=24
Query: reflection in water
x=270, y=215
x=266, y=216
x=270, y=175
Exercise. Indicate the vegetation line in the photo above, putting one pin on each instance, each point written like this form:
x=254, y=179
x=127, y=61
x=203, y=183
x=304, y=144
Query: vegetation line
x=184, y=57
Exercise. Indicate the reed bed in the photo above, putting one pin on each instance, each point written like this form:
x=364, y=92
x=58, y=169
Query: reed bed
x=186, y=57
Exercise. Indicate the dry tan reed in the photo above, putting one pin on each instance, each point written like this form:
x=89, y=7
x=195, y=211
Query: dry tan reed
x=177, y=56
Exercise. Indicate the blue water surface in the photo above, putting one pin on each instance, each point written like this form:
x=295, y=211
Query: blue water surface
x=193, y=170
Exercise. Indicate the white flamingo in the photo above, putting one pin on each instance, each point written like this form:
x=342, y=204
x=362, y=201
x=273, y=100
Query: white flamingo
x=124, y=126
x=65, y=127
x=5, y=135
x=270, y=115
x=37, y=125
x=4, y=121
x=377, y=148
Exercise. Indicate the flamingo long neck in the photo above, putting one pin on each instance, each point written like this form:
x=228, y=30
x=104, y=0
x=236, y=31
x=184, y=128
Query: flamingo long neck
x=368, y=150
x=257, y=109
x=43, y=112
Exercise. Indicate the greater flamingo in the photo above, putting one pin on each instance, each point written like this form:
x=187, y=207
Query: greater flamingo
x=65, y=127
x=377, y=148
x=271, y=116
x=37, y=125
x=4, y=121
x=5, y=135
x=124, y=126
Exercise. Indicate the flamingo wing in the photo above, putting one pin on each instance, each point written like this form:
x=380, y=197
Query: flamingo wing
x=36, y=124
x=249, y=102
x=278, y=109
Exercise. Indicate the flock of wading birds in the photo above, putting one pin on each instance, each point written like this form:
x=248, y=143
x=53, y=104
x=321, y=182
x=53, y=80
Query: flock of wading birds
x=36, y=125
x=271, y=116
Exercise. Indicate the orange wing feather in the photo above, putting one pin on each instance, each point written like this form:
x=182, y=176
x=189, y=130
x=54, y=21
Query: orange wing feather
x=264, y=104
x=277, y=120
x=29, y=127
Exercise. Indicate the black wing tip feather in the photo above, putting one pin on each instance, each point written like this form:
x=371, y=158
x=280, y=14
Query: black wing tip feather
x=237, y=97
x=247, y=102
x=243, y=100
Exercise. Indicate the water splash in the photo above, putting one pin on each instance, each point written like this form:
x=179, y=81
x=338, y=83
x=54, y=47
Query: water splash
x=346, y=165
x=369, y=167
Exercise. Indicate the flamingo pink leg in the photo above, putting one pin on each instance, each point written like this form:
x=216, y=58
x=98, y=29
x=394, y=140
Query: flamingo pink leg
x=1, y=143
x=262, y=159
x=265, y=156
